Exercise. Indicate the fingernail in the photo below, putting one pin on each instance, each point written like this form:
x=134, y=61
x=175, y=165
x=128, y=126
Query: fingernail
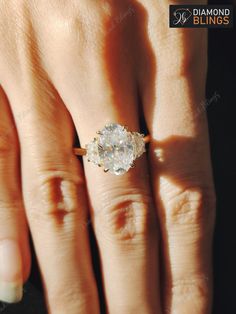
x=11, y=281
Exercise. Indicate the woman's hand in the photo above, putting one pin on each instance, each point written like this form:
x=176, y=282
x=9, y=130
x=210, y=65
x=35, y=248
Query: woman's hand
x=70, y=67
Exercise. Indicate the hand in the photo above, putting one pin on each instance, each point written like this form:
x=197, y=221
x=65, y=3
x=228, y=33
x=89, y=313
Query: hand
x=70, y=67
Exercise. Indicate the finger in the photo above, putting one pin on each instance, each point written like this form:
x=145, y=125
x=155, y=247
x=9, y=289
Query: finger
x=56, y=205
x=123, y=214
x=14, y=248
x=180, y=165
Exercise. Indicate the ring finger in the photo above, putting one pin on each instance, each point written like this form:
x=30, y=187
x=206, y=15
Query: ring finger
x=122, y=209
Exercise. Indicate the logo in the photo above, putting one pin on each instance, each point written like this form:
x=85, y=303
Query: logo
x=201, y=16
x=182, y=15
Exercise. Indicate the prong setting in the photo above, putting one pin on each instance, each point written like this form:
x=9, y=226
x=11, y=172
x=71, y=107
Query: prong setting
x=115, y=149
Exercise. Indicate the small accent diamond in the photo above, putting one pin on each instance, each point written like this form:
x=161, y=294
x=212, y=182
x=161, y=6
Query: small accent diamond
x=92, y=152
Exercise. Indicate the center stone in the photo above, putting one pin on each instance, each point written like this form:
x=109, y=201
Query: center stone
x=115, y=149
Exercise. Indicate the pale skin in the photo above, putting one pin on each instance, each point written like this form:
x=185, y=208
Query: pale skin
x=70, y=67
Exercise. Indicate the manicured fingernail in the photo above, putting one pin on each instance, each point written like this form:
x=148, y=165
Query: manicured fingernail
x=11, y=281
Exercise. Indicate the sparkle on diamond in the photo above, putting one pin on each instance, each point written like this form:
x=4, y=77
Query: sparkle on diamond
x=115, y=148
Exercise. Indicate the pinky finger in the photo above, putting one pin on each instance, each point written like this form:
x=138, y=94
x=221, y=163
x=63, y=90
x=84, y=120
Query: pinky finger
x=14, y=248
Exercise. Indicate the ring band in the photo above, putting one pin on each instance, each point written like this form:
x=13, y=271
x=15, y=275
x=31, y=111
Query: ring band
x=115, y=148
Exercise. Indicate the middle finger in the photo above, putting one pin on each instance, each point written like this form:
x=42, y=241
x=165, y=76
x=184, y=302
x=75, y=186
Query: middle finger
x=55, y=199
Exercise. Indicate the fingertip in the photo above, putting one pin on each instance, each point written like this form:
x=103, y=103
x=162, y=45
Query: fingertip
x=11, y=271
x=11, y=292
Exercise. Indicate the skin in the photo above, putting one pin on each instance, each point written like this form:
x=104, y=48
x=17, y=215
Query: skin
x=70, y=67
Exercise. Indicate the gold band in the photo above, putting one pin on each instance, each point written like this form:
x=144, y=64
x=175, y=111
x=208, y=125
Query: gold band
x=82, y=151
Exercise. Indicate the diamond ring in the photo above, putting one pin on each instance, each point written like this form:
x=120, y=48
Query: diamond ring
x=115, y=148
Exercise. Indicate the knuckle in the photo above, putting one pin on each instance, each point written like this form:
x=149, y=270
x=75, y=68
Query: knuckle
x=58, y=193
x=81, y=25
x=131, y=220
x=10, y=209
x=192, y=207
x=7, y=204
x=190, y=289
x=70, y=297
x=91, y=27
x=186, y=61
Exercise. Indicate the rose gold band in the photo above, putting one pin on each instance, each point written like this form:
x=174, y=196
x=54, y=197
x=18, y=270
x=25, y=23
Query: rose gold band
x=82, y=151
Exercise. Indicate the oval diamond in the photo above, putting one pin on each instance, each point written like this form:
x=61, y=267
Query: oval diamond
x=116, y=148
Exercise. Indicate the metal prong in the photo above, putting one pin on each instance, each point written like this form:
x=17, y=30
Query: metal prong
x=99, y=165
x=100, y=146
x=106, y=170
x=99, y=132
